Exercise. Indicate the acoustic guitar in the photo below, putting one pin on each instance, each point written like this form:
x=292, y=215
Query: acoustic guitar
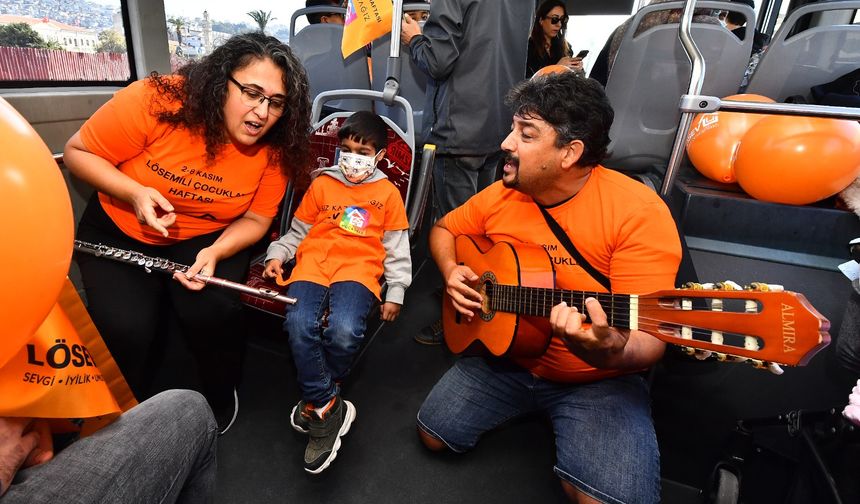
x=761, y=323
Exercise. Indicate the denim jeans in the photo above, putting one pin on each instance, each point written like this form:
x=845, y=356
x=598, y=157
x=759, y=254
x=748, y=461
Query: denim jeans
x=163, y=450
x=323, y=355
x=604, y=436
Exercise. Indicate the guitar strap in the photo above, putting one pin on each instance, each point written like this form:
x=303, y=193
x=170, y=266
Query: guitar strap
x=571, y=248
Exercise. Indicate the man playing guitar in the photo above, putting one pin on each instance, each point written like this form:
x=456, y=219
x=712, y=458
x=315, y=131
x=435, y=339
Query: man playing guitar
x=587, y=382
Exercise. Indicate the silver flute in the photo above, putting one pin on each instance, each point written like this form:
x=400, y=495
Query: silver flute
x=151, y=264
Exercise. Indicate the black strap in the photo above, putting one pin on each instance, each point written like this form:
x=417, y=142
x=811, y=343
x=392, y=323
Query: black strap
x=571, y=248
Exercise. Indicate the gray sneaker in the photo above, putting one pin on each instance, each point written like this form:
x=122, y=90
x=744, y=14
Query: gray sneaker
x=325, y=434
x=300, y=418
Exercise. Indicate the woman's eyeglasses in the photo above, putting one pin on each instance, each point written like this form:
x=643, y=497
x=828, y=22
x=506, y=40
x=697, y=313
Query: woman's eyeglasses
x=557, y=19
x=252, y=98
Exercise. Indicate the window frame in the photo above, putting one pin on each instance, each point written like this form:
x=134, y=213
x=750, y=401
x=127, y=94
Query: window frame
x=50, y=84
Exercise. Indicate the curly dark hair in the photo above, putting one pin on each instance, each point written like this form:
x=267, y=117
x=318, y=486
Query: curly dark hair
x=576, y=107
x=205, y=85
x=558, y=45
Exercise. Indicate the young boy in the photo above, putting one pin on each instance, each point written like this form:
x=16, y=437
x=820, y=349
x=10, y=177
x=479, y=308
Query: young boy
x=348, y=231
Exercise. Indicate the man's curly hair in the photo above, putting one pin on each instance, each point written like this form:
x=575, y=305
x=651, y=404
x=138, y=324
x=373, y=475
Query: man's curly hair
x=203, y=93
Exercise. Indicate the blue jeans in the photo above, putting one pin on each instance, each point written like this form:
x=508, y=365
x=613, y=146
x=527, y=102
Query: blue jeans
x=604, y=436
x=163, y=450
x=323, y=355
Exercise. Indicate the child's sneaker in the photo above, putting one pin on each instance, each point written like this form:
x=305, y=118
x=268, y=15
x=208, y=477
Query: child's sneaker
x=325, y=434
x=300, y=416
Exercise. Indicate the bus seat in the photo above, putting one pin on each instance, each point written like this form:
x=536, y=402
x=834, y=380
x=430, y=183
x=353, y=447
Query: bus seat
x=399, y=164
x=413, y=82
x=318, y=48
x=796, y=61
x=652, y=71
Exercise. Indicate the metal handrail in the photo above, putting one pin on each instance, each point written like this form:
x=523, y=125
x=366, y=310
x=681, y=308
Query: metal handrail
x=694, y=103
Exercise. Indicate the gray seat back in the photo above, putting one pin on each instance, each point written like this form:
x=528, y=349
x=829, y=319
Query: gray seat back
x=652, y=71
x=413, y=82
x=318, y=48
x=793, y=63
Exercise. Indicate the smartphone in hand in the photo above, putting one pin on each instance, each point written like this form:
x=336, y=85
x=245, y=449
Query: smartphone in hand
x=583, y=53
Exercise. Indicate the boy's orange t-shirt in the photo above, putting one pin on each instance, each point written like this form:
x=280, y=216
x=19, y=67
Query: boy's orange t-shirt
x=206, y=197
x=619, y=225
x=347, y=225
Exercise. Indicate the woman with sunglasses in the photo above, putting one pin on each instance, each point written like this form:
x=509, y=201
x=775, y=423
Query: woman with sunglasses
x=190, y=168
x=547, y=45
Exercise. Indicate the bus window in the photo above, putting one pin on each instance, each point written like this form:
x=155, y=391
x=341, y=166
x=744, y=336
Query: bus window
x=63, y=43
x=195, y=27
x=591, y=32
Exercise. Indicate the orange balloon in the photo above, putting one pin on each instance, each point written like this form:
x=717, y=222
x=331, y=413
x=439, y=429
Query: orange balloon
x=37, y=227
x=551, y=69
x=713, y=140
x=798, y=160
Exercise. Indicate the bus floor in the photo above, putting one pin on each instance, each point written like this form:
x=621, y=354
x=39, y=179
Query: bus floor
x=381, y=459
x=695, y=406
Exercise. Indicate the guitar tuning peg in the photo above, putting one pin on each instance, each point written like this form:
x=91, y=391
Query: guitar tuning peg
x=728, y=285
x=720, y=356
x=702, y=354
x=765, y=287
x=708, y=286
x=688, y=350
x=774, y=368
x=692, y=286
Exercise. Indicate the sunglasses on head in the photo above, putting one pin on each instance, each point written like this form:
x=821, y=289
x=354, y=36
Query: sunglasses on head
x=557, y=19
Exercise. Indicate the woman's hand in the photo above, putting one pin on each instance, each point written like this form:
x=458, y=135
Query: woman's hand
x=24, y=442
x=148, y=203
x=574, y=64
x=205, y=264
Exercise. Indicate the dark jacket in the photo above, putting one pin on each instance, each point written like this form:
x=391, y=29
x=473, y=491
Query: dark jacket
x=474, y=51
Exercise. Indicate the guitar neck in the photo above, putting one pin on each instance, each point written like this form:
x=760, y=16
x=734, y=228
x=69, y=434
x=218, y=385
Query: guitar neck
x=538, y=302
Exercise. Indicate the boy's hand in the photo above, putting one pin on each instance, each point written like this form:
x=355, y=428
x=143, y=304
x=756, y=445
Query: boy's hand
x=273, y=269
x=389, y=311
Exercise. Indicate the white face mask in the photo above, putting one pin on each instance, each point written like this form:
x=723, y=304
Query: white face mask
x=355, y=167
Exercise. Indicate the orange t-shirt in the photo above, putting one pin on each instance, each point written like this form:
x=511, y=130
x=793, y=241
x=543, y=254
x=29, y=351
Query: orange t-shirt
x=172, y=160
x=620, y=226
x=347, y=224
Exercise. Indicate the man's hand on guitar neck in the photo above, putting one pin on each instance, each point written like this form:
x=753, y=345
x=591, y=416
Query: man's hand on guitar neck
x=600, y=345
x=466, y=300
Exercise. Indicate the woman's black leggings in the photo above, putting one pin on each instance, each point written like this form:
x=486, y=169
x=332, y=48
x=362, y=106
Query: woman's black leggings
x=161, y=334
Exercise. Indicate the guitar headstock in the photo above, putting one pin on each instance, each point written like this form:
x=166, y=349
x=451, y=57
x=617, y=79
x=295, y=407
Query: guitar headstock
x=760, y=323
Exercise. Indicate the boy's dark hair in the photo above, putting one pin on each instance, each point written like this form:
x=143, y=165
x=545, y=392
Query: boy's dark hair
x=317, y=17
x=576, y=108
x=365, y=127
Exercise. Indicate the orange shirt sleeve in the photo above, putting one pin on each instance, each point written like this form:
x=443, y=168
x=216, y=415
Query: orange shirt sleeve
x=120, y=128
x=648, y=252
x=468, y=219
x=395, y=217
x=270, y=192
x=308, y=207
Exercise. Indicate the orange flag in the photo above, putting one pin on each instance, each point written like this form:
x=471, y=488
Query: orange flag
x=366, y=20
x=65, y=371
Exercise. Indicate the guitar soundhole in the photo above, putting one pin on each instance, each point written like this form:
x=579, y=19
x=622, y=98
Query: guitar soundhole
x=485, y=288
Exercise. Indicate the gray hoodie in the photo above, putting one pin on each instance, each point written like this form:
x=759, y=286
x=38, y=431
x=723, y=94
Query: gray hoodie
x=398, y=261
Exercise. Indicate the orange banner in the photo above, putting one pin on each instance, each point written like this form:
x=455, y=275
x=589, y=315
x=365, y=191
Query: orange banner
x=366, y=20
x=65, y=371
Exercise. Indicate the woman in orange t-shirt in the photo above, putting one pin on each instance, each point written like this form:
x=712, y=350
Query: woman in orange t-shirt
x=191, y=168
